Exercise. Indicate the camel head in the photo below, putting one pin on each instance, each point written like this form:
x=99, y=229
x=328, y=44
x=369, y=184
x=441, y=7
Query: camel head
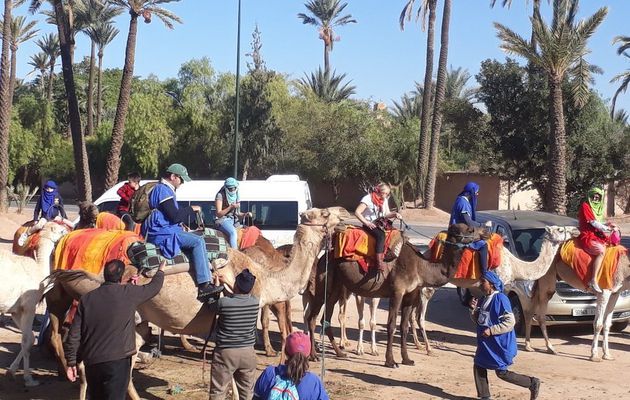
x=326, y=217
x=88, y=212
x=560, y=234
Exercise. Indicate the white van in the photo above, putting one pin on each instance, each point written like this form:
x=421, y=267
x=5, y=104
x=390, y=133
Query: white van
x=276, y=203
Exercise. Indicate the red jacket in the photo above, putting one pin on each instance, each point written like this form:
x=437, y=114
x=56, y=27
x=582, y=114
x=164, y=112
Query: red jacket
x=588, y=232
x=126, y=193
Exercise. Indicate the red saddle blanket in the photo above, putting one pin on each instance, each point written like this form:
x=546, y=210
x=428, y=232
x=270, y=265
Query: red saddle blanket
x=356, y=244
x=578, y=259
x=469, y=266
x=247, y=237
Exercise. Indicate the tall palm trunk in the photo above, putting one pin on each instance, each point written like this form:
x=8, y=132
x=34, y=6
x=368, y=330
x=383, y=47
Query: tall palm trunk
x=14, y=50
x=5, y=104
x=556, y=189
x=436, y=125
x=326, y=56
x=113, y=158
x=423, y=145
x=81, y=163
x=51, y=74
x=99, y=88
x=90, y=96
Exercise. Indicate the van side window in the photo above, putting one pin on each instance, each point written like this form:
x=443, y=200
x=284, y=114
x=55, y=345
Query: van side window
x=278, y=215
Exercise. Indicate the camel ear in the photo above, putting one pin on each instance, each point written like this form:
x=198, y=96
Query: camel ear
x=325, y=213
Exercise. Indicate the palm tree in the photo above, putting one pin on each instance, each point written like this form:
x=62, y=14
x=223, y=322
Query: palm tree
x=49, y=45
x=562, y=47
x=328, y=87
x=508, y=4
x=39, y=62
x=21, y=31
x=408, y=108
x=5, y=104
x=456, y=85
x=326, y=16
x=436, y=123
x=428, y=7
x=103, y=35
x=624, y=77
x=90, y=15
x=146, y=9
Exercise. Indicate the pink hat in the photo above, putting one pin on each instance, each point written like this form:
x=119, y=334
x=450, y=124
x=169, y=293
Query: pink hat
x=298, y=342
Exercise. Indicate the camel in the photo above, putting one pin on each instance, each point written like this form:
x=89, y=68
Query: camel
x=545, y=287
x=176, y=309
x=22, y=286
x=401, y=285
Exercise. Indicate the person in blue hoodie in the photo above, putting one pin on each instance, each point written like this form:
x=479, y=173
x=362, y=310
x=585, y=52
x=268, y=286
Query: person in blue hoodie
x=49, y=207
x=496, y=341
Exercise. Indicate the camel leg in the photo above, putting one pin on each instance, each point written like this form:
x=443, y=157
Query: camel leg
x=528, y=316
x=333, y=297
x=312, y=306
x=344, y=342
x=394, y=306
x=264, y=321
x=413, y=324
x=24, y=321
x=404, y=332
x=187, y=345
x=285, y=324
x=373, y=326
x=425, y=296
x=361, y=322
x=607, y=324
x=542, y=322
x=598, y=322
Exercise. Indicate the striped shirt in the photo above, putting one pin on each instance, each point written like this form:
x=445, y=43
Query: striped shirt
x=237, y=321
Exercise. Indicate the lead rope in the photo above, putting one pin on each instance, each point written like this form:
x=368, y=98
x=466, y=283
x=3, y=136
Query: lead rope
x=325, y=324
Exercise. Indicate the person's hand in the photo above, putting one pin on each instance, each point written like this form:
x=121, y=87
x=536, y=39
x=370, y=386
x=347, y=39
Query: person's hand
x=473, y=303
x=236, y=205
x=249, y=214
x=370, y=225
x=71, y=373
x=486, y=333
x=398, y=216
x=196, y=208
x=162, y=265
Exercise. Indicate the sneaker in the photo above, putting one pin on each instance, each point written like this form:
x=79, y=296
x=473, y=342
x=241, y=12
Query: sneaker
x=207, y=290
x=534, y=389
x=22, y=239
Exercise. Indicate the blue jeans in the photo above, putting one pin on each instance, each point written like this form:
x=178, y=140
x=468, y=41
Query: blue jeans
x=194, y=248
x=226, y=225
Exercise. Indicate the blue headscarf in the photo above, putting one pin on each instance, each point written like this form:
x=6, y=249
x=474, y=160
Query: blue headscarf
x=231, y=197
x=494, y=279
x=48, y=198
x=471, y=189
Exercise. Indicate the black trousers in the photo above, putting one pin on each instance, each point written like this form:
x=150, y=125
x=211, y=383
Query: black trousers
x=481, y=380
x=108, y=380
x=379, y=235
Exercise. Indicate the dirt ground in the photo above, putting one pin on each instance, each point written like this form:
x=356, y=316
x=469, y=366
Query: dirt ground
x=446, y=375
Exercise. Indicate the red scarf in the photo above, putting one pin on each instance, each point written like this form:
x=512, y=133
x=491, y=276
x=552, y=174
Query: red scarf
x=377, y=199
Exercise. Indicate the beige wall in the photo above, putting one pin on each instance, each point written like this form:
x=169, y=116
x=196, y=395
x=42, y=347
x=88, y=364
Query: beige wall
x=450, y=184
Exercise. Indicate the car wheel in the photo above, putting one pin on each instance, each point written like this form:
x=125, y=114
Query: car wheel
x=619, y=326
x=519, y=315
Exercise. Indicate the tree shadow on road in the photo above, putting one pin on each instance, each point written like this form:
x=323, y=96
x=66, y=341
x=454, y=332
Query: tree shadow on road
x=417, y=386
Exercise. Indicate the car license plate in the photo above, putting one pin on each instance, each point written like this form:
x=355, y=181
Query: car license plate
x=580, y=312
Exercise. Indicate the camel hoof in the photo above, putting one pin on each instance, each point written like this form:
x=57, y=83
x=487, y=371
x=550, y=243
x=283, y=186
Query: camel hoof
x=374, y=352
x=345, y=344
x=551, y=350
x=30, y=382
x=529, y=348
x=431, y=353
x=342, y=354
x=608, y=357
x=596, y=359
x=360, y=352
x=408, y=362
x=391, y=364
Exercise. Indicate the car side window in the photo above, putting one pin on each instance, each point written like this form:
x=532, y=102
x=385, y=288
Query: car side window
x=502, y=231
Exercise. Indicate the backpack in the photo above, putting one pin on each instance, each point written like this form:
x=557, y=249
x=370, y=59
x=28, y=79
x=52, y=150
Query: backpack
x=139, y=208
x=283, y=389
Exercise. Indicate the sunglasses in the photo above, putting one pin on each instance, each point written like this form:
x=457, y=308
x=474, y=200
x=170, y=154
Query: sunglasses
x=232, y=188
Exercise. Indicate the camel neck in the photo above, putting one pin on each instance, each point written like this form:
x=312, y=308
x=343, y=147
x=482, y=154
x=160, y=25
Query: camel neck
x=533, y=270
x=43, y=255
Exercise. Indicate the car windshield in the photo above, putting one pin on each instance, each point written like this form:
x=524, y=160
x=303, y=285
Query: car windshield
x=528, y=242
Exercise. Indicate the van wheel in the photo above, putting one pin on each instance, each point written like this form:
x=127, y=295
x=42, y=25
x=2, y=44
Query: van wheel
x=519, y=315
x=619, y=326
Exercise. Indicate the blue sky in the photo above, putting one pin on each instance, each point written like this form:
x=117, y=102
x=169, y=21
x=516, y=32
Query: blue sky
x=382, y=61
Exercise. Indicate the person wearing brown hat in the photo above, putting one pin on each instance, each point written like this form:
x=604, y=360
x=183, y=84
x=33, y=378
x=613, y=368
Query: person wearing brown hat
x=293, y=378
x=234, y=355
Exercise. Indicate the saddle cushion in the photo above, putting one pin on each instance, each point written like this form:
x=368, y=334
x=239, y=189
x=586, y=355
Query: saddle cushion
x=469, y=266
x=28, y=249
x=580, y=261
x=354, y=243
x=90, y=249
x=145, y=255
x=247, y=237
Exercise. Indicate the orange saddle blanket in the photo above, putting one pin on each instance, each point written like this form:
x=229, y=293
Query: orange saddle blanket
x=90, y=249
x=573, y=255
x=469, y=266
x=356, y=244
x=112, y=222
x=247, y=237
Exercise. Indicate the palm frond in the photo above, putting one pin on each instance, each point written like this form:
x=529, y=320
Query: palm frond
x=166, y=16
x=624, y=77
x=585, y=29
x=515, y=44
x=624, y=41
x=306, y=20
x=582, y=77
x=326, y=85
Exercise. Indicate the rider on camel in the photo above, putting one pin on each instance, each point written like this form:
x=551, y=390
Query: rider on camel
x=374, y=206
